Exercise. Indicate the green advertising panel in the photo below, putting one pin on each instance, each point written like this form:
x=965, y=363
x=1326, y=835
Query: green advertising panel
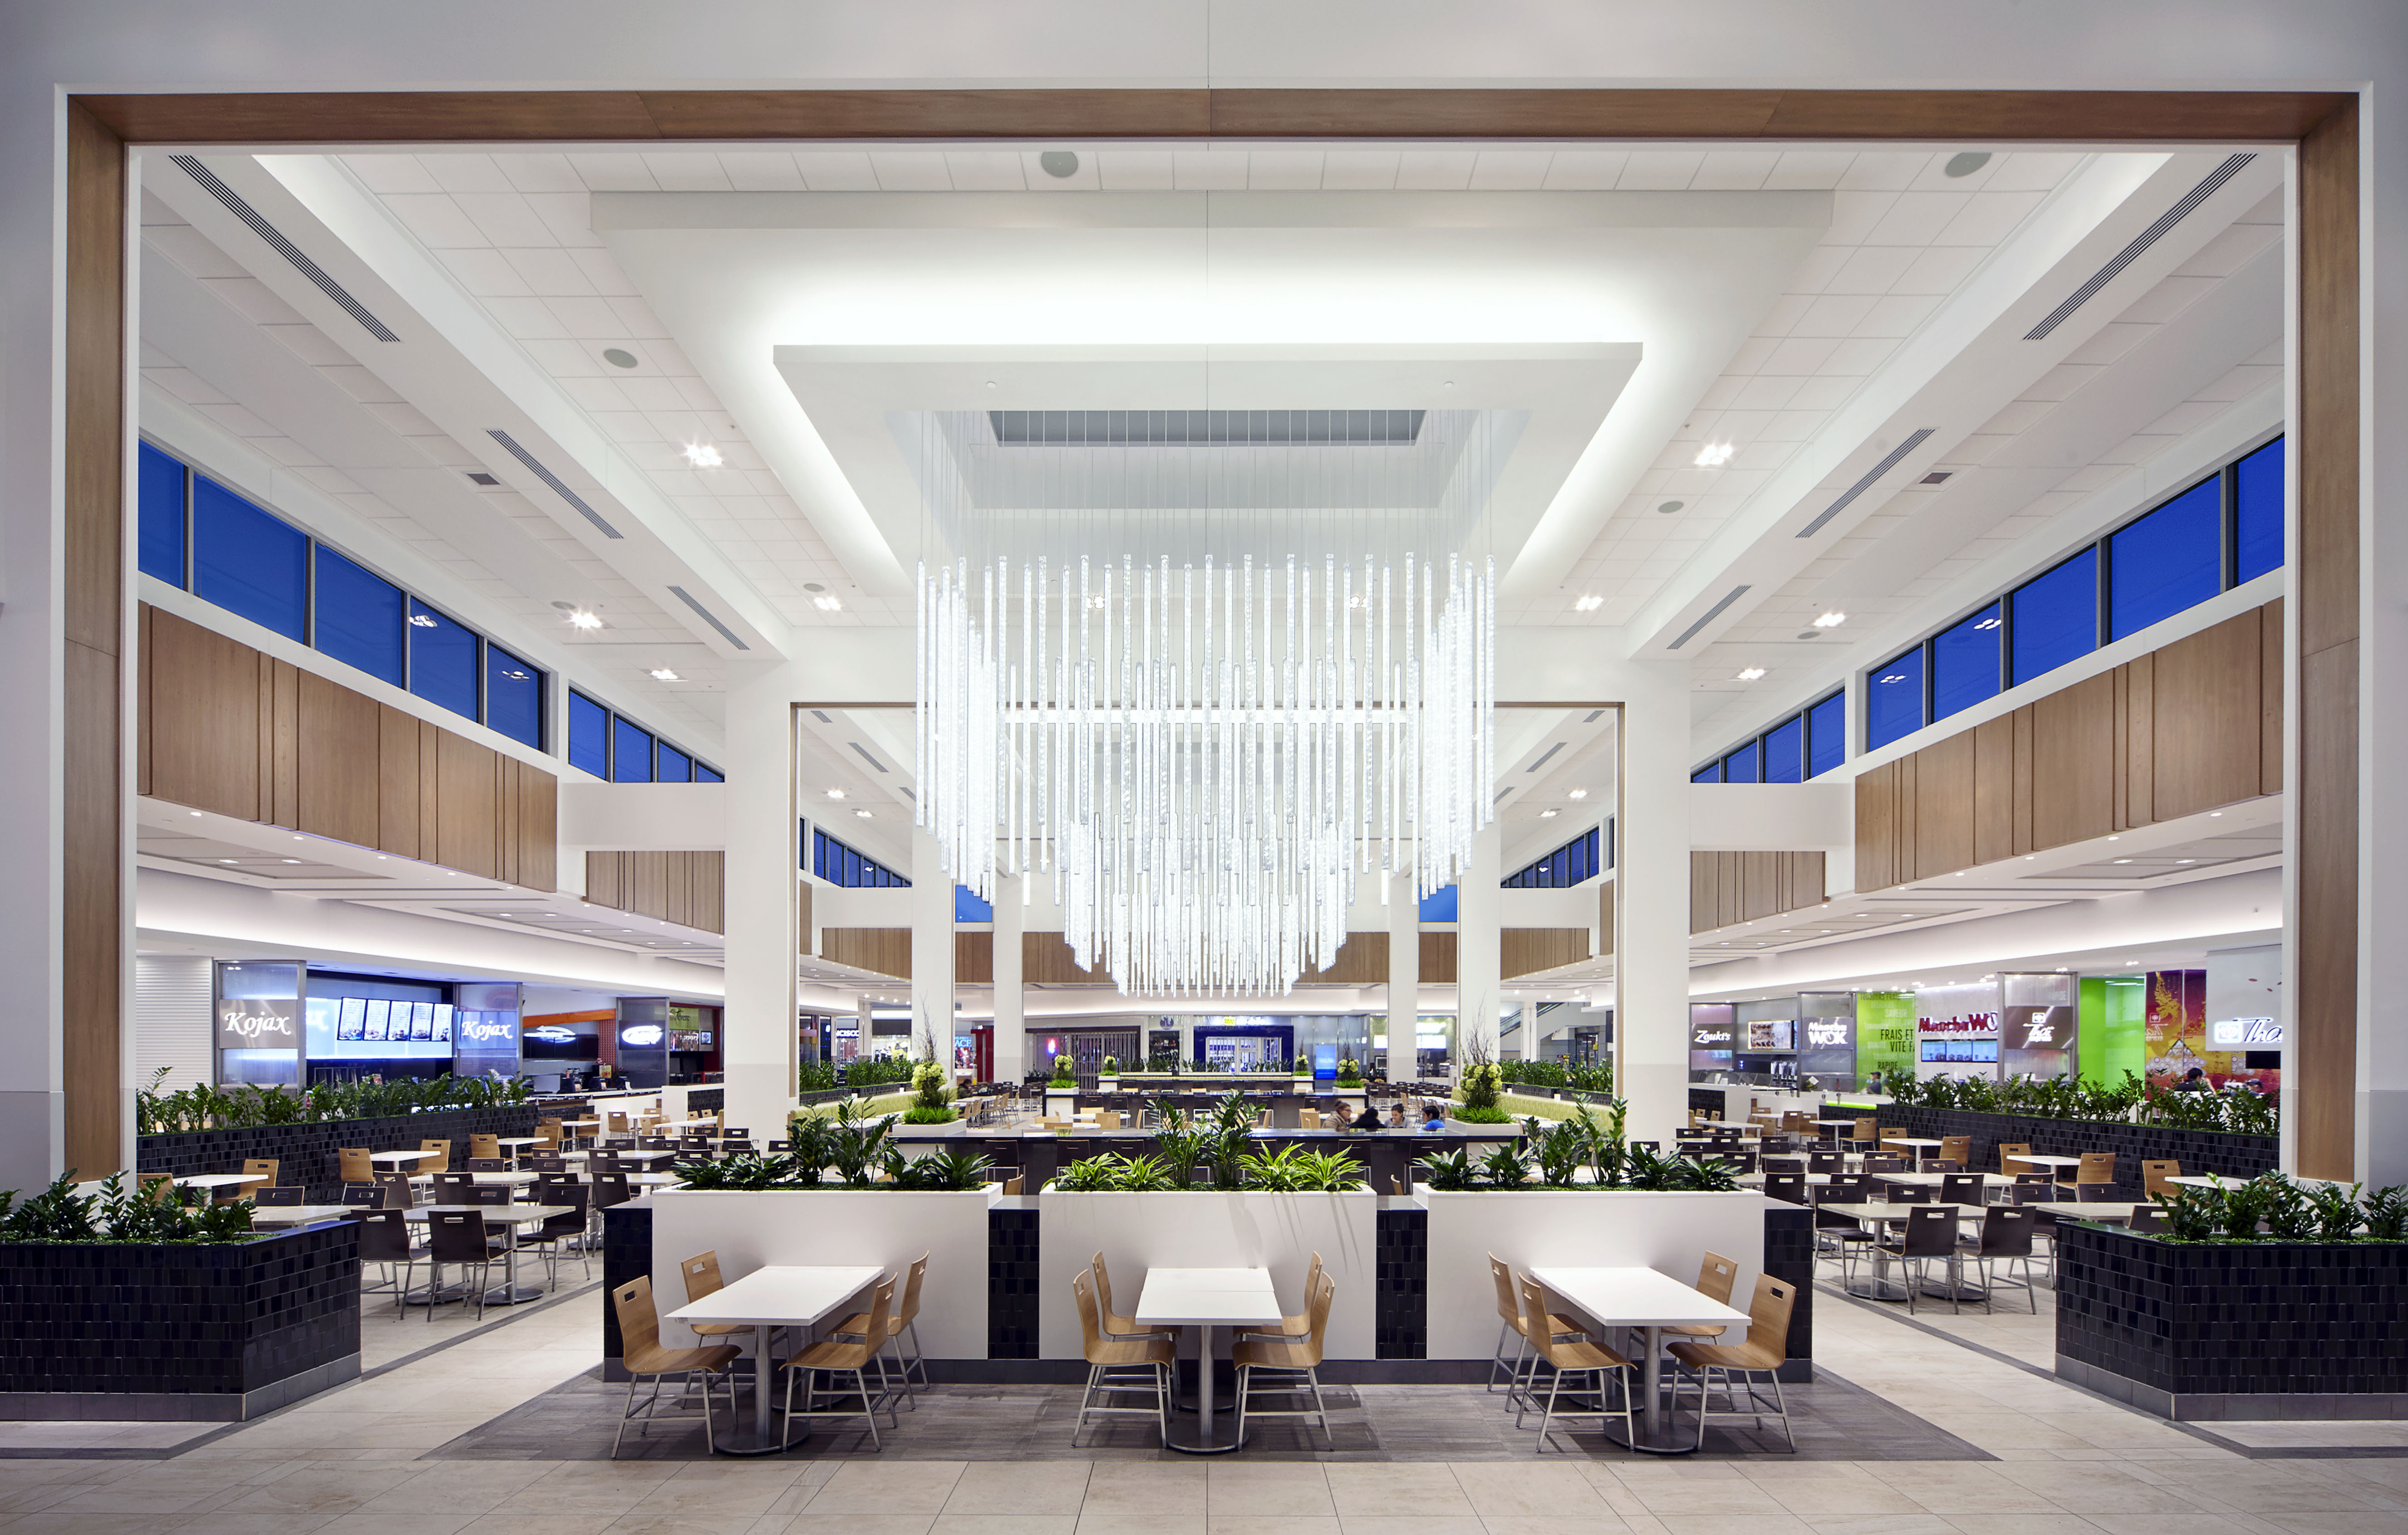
x=1885, y=1033
x=2114, y=1033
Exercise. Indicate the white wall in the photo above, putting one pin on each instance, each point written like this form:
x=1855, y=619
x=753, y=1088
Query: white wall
x=173, y=1023
x=643, y=817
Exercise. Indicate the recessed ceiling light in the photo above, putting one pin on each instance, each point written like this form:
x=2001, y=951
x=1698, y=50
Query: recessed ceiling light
x=1831, y=620
x=2211, y=815
x=662, y=674
x=225, y=860
x=2115, y=838
x=618, y=357
x=291, y=860
x=1714, y=455
x=2186, y=860
x=864, y=814
x=1588, y=604
x=814, y=586
x=1809, y=634
x=1749, y=674
x=2122, y=860
x=1669, y=507
x=1966, y=163
x=836, y=793
x=827, y=604
x=580, y=619
x=1061, y=165
x=702, y=455
x=196, y=812
x=1578, y=793
x=1547, y=814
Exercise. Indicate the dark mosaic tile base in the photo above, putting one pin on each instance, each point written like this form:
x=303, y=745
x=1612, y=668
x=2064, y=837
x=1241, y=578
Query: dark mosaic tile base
x=1012, y=1283
x=306, y=1154
x=2272, y=1318
x=1833, y=1419
x=1400, y=1304
x=176, y=1320
x=1789, y=1254
x=708, y=1100
x=626, y=1255
x=2198, y=1151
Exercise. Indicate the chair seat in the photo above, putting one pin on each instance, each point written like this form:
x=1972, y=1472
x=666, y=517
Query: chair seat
x=829, y=1354
x=1289, y=1327
x=1129, y=1326
x=1133, y=1351
x=656, y=1360
x=1275, y=1354
x=1727, y=1356
x=717, y=1329
x=857, y=1326
x=1686, y=1329
x=1584, y=1353
x=1564, y=1326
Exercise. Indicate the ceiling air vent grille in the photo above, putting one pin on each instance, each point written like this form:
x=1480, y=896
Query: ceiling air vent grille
x=708, y=617
x=533, y=467
x=1205, y=428
x=866, y=756
x=1542, y=760
x=1889, y=461
x=1708, y=617
x=274, y=237
x=2140, y=242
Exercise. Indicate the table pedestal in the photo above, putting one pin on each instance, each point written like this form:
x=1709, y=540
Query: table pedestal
x=1195, y=1436
x=764, y=1437
x=1656, y=1435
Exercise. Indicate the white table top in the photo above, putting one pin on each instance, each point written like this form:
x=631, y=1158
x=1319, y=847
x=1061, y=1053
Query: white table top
x=1209, y=1298
x=1911, y=1141
x=267, y=1216
x=2206, y=1180
x=516, y=1140
x=397, y=1157
x=780, y=1296
x=1836, y=1121
x=495, y=1215
x=1635, y=1297
x=223, y=1180
x=1901, y=1212
x=2046, y=1161
x=2104, y=1210
x=624, y=1156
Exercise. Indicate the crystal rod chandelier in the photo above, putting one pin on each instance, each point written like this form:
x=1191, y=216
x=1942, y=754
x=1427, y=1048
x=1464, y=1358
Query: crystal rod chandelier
x=1205, y=758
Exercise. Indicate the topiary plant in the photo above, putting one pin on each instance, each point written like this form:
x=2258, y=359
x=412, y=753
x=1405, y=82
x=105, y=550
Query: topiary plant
x=1063, y=1075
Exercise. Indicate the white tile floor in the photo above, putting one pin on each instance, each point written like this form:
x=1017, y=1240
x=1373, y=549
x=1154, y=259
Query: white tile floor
x=347, y=1463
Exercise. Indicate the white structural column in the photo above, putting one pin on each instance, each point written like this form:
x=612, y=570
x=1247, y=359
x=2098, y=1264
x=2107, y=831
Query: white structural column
x=1477, y=907
x=1650, y=958
x=760, y=905
x=1404, y=979
x=932, y=952
x=1010, y=1012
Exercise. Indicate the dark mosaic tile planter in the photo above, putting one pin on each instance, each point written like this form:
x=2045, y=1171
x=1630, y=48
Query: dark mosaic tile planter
x=706, y=1100
x=305, y=1154
x=1789, y=1254
x=1400, y=1309
x=626, y=1255
x=2198, y=1151
x=211, y=1333
x=2246, y=1331
x=1011, y=1281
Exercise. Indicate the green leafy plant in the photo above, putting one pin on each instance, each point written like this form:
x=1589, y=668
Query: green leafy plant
x=877, y=1071
x=816, y=1077
x=1292, y=1169
x=2192, y=1214
x=1230, y=1125
x=1064, y=1076
x=945, y=1171
x=202, y=1106
x=1608, y=1152
x=1112, y=1174
x=1561, y=1149
x=2386, y=1214
x=1450, y=1172
x=1185, y=1141
x=860, y=1148
x=1505, y=1166
x=58, y=1213
x=932, y=1095
x=2290, y=1215
x=2244, y=1206
x=2336, y=1211
x=1350, y=1071
x=1108, y=1067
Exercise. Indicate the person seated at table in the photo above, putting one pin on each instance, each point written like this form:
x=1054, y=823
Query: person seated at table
x=1397, y=1116
x=1368, y=1120
x=1433, y=1117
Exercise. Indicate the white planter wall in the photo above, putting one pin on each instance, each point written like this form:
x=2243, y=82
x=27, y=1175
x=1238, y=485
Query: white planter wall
x=1608, y=1229
x=1280, y=1232
x=835, y=1228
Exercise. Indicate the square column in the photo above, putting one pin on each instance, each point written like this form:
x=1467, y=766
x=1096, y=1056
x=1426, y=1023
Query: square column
x=932, y=952
x=763, y=917
x=1478, y=949
x=1650, y=904
x=1010, y=1005
x=1404, y=979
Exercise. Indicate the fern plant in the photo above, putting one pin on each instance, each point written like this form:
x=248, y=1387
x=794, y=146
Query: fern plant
x=2386, y=1214
x=2193, y=1215
x=2336, y=1211
x=1448, y=1172
x=949, y=1172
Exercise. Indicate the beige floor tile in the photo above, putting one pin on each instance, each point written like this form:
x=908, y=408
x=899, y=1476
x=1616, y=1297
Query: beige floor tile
x=1027, y=1488
x=1269, y=1524
x=1135, y=1518
x=1235, y=1489
x=1775, y=1523
x=2023, y=1523
x=1882, y=1523
x=396, y=1524
x=1404, y=1524
x=859, y=1524
x=1498, y=1488
x=1825, y=1497
x=1556, y=1524
x=1721, y=1495
x=1402, y=1489
x=1003, y=1523
x=919, y=1486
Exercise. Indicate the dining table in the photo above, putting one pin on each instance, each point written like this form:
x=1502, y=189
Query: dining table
x=216, y=1180
x=510, y=1292
x=1206, y=1299
x=777, y=1296
x=265, y=1217
x=399, y=1159
x=1649, y=1301
x=1880, y=1215
x=2113, y=1211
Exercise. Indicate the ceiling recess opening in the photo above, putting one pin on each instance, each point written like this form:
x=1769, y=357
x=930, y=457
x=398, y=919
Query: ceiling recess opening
x=1204, y=428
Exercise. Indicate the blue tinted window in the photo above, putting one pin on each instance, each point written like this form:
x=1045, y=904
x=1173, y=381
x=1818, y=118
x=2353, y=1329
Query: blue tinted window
x=1894, y=700
x=442, y=660
x=2057, y=618
x=589, y=736
x=358, y=617
x=631, y=753
x=1440, y=905
x=707, y=775
x=1965, y=663
x=513, y=698
x=2166, y=562
x=159, y=504
x=1784, y=750
x=2256, y=514
x=1710, y=773
x=672, y=765
x=969, y=907
x=247, y=561
x=1740, y=766
x=1827, y=741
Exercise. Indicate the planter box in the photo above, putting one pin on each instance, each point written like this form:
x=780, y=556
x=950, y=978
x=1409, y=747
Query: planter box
x=2252, y=1330
x=2198, y=1151
x=1209, y=1229
x=884, y=1227
x=305, y=1154
x=1617, y=1228
x=171, y=1332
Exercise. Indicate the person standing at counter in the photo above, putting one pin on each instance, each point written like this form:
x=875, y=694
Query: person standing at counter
x=1872, y=1083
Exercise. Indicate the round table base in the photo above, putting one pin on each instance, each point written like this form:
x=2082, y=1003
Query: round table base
x=1199, y=1439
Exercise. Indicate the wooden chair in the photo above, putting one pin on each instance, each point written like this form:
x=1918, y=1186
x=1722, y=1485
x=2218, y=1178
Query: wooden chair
x=1717, y=1275
x=546, y=1135
x=1763, y=1353
x=1111, y=1324
x=2097, y=1168
x=2009, y=1154
x=1118, y=1365
x=356, y=1166
x=1293, y=1327
x=2006, y=1237
x=1524, y=1330
x=441, y=1164
x=1292, y=1364
x=902, y=1323
x=485, y=1148
x=2154, y=1176
x=839, y=1356
x=1861, y=1136
x=640, y=1350
x=1577, y=1355
x=258, y=1172
x=701, y=1275
x=1958, y=1149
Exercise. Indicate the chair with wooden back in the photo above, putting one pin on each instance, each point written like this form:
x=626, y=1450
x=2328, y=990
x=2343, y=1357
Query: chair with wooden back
x=1524, y=1330
x=1861, y=1136
x=434, y=1163
x=546, y=1135
x=1765, y=1350
x=1292, y=1365
x=839, y=1357
x=1576, y=1358
x=1958, y=1149
x=2097, y=1168
x=701, y=1275
x=356, y=1164
x=485, y=1148
x=642, y=1352
x=901, y=1327
x=2009, y=1154
x=1295, y=1327
x=2154, y=1176
x=258, y=1172
x=1112, y=1323
x=1118, y=1365
x=1717, y=1275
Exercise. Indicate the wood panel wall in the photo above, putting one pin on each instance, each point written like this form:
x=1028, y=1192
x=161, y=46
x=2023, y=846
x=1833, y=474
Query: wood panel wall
x=1045, y=960
x=1527, y=951
x=882, y=951
x=2170, y=734
x=1361, y=960
x=974, y=960
x=227, y=728
x=1726, y=888
x=687, y=888
x=1605, y=918
x=1437, y=959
